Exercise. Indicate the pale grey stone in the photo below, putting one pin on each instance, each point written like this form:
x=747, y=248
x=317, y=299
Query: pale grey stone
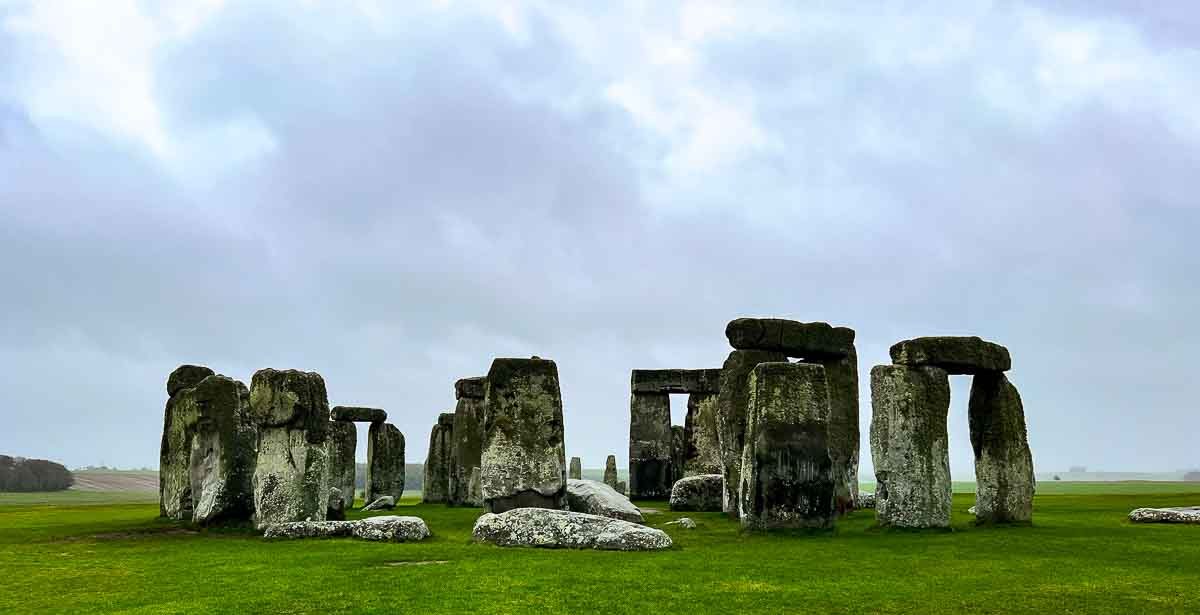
x=390, y=528
x=383, y=502
x=596, y=498
x=385, y=462
x=291, y=474
x=1003, y=462
x=561, y=529
x=842, y=378
x=686, y=523
x=1185, y=514
x=700, y=493
x=308, y=529
x=650, y=445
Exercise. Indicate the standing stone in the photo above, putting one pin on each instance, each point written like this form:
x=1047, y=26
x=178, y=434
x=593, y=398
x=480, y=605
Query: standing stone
x=732, y=406
x=678, y=453
x=475, y=487
x=291, y=477
x=909, y=445
x=221, y=467
x=650, y=445
x=437, y=463
x=385, y=462
x=175, y=450
x=343, y=440
x=576, y=469
x=524, y=461
x=786, y=471
x=1003, y=463
x=702, y=492
x=842, y=377
x=468, y=440
x=610, y=471
x=703, y=447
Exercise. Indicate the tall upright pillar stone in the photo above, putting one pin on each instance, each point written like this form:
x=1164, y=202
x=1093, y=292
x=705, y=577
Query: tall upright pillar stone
x=175, y=449
x=385, y=462
x=436, y=483
x=1004, y=481
x=733, y=404
x=650, y=445
x=468, y=440
x=221, y=465
x=610, y=471
x=343, y=440
x=524, y=460
x=703, y=455
x=576, y=471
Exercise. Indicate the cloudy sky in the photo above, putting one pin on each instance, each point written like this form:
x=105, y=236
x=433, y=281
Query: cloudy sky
x=393, y=196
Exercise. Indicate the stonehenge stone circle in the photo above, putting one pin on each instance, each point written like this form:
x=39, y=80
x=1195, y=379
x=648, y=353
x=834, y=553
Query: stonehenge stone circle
x=291, y=476
x=576, y=468
x=732, y=405
x=221, y=465
x=357, y=414
x=841, y=375
x=786, y=470
x=909, y=445
x=596, y=498
x=524, y=461
x=175, y=450
x=467, y=447
x=562, y=529
x=650, y=445
x=436, y=487
x=956, y=355
x=343, y=440
x=385, y=462
x=702, y=493
x=808, y=340
x=1003, y=463
x=703, y=452
x=610, y=471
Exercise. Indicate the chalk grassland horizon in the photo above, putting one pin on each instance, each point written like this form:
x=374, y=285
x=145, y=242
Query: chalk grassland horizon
x=1081, y=556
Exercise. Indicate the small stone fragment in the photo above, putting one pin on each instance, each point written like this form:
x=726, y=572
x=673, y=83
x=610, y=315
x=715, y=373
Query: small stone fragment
x=390, y=528
x=675, y=381
x=357, y=414
x=576, y=468
x=596, y=498
x=291, y=476
x=808, y=340
x=956, y=355
x=308, y=529
x=561, y=529
x=686, y=523
x=864, y=500
x=700, y=493
x=610, y=471
x=385, y=462
x=384, y=502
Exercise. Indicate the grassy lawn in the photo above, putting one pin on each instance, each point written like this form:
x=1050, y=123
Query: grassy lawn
x=1081, y=556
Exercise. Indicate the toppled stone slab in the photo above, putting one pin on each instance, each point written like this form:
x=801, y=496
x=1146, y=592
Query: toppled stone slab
x=808, y=340
x=650, y=445
x=467, y=450
x=956, y=355
x=675, y=381
x=385, y=502
x=702, y=452
x=686, y=523
x=343, y=440
x=596, y=498
x=436, y=485
x=470, y=388
x=390, y=528
x=561, y=529
x=701, y=493
x=1185, y=514
x=358, y=414
x=787, y=473
x=576, y=468
x=909, y=446
x=732, y=405
x=385, y=462
x=308, y=529
x=524, y=460
x=291, y=475
x=1003, y=462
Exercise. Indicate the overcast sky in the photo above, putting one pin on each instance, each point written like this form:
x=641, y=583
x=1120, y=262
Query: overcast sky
x=394, y=196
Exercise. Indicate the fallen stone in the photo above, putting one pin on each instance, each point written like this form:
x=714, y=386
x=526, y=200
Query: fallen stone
x=385, y=502
x=956, y=355
x=523, y=462
x=732, y=405
x=808, y=340
x=357, y=414
x=1004, y=481
x=684, y=522
x=175, y=449
x=385, y=462
x=561, y=529
x=864, y=500
x=596, y=498
x=291, y=475
x=343, y=440
x=787, y=473
x=909, y=446
x=436, y=485
x=1184, y=514
x=467, y=451
x=308, y=529
x=675, y=381
x=702, y=453
x=576, y=468
x=701, y=493
x=650, y=445
x=390, y=528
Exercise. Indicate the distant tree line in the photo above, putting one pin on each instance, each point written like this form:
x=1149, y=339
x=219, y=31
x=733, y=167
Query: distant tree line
x=1192, y=477
x=20, y=474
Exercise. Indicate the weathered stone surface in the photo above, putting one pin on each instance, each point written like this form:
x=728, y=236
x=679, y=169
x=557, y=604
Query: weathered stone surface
x=596, y=498
x=561, y=529
x=523, y=462
x=1003, y=463
x=621, y=488
x=390, y=528
x=732, y=405
x=175, y=449
x=343, y=440
x=308, y=529
x=1185, y=514
x=678, y=452
x=841, y=375
x=186, y=377
x=808, y=340
x=702, y=454
x=470, y=388
x=610, y=471
x=576, y=468
x=358, y=414
x=909, y=445
x=385, y=462
x=956, y=355
x=336, y=510
x=865, y=499
x=291, y=475
x=686, y=523
x=702, y=493
x=675, y=381
x=383, y=502
x=221, y=464
x=650, y=445
x=475, y=487
x=436, y=485
x=467, y=452
x=787, y=473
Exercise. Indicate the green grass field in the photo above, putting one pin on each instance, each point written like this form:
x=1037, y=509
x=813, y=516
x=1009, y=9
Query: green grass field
x=78, y=555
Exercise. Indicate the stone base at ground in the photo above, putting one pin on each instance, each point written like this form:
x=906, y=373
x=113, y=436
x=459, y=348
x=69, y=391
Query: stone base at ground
x=560, y=529
x=1186, y=514
x=596, y=498
x=388, y=528
x=701, y=493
